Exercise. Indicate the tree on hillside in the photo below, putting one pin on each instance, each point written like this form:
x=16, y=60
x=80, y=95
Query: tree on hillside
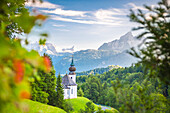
x=43, y=88
x=89, y=108
x=155, y=55
x=60, y=93
x=80, y=93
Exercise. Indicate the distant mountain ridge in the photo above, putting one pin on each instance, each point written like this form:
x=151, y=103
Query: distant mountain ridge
x=125, y=42
x=48, y=48
x=111, y=53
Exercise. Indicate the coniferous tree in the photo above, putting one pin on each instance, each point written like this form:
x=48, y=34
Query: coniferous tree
x=60, y=93
x=80, y=93
x=43, y=88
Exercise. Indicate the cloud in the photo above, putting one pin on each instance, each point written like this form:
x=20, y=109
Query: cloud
x=38, y=4
x=62, y=29
x=55, y=25
x=135, y=7
x=62, y=12
x=109, y=15
x=85, y=21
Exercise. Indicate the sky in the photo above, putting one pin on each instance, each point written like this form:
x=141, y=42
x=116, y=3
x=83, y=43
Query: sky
x=85, y=24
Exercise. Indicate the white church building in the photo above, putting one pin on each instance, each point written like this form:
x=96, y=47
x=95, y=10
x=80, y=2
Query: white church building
x=69, y=83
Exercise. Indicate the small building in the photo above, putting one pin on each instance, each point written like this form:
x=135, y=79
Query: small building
x=69, y=83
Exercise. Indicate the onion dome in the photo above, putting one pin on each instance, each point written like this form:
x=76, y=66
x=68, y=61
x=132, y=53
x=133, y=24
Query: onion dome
x=72, y=69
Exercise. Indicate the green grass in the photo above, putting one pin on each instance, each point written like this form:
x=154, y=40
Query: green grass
x=33, y=107
x=79, y=103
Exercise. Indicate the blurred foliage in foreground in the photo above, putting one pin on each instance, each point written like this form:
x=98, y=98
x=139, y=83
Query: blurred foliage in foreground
x=155, y=51
x=17, y=66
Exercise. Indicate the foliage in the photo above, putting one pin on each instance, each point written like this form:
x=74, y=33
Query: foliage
x=60, y=93
x=79, y=103
x=140, y=97
x=98, y=70
x=68, y=107
x=43, y=90
x=155, y=55
x=17, y=66
x=89, y=108
x=127, y=89
x=80, y=93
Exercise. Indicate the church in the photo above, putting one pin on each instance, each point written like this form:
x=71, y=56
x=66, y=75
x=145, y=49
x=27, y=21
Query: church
x=69, y=83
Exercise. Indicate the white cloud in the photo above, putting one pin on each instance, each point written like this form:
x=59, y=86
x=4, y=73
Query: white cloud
x=38, y=4
x=85, y=21
x=55, y=25
x=109, y=15
x=62, y=29
x=62, y=12
x=135, y=7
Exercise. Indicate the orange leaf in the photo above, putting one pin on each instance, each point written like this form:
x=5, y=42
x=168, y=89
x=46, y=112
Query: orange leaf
x=25, y=95
x=19, y=70
x=47, y=63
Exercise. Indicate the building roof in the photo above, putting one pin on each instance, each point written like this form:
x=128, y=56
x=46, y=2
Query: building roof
x=67, y=81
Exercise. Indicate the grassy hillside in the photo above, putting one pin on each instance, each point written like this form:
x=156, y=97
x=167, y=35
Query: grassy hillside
x=34, y=107
x=79, y=103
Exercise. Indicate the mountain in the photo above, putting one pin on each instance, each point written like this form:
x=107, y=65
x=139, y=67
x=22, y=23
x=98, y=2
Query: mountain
x=125, y=42
x=90, y=59
x=48, y=48
x=111, y=53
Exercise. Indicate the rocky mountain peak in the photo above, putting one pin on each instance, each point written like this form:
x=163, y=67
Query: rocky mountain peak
x=123, y=43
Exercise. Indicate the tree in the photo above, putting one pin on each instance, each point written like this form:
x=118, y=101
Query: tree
x=43, y=88
x=68, y=107
x=18, y=66
x=60, y=93
x=80, y=93
x=100, y=110
x=89, y=108
x=155, y=55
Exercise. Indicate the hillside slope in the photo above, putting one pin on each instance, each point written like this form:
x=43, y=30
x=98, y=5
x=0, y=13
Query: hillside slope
x=79, y=103
x=34, y=107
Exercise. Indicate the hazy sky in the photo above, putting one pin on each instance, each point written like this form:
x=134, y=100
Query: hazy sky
x=86, y=24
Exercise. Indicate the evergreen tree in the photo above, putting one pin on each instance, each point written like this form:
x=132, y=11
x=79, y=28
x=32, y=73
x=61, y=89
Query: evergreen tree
x=60, y=93
x=43, y=88
x=80, y=93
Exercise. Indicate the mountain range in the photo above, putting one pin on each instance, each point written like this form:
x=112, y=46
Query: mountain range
x=111, y=53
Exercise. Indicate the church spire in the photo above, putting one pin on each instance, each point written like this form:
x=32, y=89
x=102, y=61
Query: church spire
x=72, y=62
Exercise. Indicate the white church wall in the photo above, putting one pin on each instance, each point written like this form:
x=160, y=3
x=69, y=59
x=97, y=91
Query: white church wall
x=73, y=77
x=70, y=93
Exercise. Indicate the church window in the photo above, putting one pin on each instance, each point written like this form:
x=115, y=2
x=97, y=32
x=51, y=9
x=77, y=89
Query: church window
x=71, y=91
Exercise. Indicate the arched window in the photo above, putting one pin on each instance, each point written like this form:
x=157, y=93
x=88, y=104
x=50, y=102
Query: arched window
x=71, y=77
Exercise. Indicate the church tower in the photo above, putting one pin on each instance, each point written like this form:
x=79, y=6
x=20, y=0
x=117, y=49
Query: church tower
x=72, y=70
x=69, y=83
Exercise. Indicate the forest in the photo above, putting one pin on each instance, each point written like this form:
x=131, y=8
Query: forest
x=126, y=89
